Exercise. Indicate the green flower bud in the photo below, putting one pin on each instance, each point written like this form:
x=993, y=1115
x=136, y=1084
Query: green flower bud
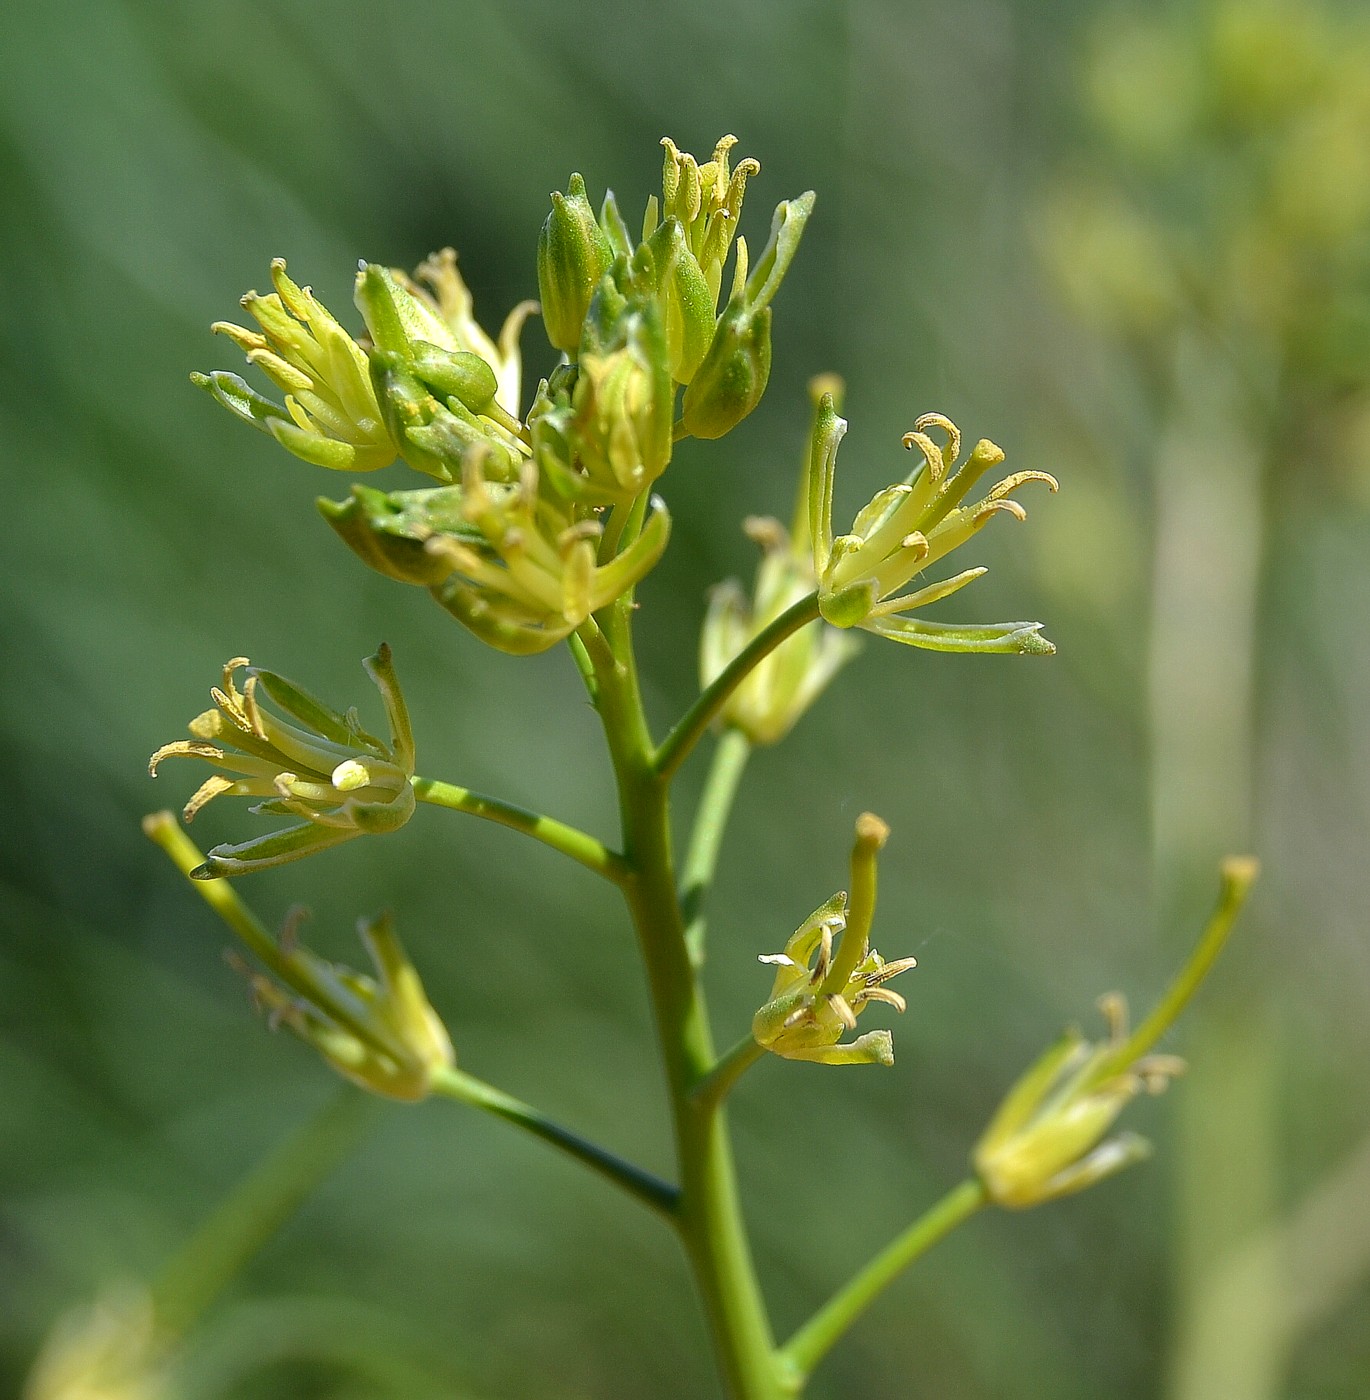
x=733, y=376
x=573, y=254
x=822, y=986
x=308, y=762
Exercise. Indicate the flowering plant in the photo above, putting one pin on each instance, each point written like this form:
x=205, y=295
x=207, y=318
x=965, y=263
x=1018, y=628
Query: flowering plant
x=534, y=527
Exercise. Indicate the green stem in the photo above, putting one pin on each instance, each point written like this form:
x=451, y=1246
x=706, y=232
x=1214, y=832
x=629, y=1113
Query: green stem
x=1238, y=873
x=659, y=1195
x=569, y=840
x=676, y=746
x=584, y=666
x=256, y=1208
x=711, y=820
x=824, y=1329
x=727, y=1070
x=165, y=830
x=709, y=1213
x=293, y=967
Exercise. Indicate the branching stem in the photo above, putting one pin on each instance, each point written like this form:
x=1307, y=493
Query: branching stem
x=675, y=747
x=825, y=1328
x=569, y=840
x=659, y=1196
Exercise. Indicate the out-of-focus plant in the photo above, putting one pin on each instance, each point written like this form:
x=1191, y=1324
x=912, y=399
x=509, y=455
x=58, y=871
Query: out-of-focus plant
x=540, y=527
x=1216, y=238
x=1228, y=199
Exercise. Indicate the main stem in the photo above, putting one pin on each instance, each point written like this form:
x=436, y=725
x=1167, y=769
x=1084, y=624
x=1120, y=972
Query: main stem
x=708, y=1215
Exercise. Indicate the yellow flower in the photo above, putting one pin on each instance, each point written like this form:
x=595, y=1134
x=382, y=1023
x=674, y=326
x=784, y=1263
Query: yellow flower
x=1048, y=1138
x=524, y=572
x=380, y=1032
x=331, y=416
x=104, y=1351
x=904, y=529
x=822, y=986
x=314, y=764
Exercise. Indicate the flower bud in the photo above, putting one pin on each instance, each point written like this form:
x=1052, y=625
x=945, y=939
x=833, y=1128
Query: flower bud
x=573, y=254
x=308, y=762
x=733, y=376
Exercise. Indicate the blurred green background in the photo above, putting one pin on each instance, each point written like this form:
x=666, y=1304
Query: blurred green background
x=1132, y=252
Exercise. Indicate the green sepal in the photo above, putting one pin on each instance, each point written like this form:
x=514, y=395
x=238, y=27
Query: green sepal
x=459, y=374
x=387, y=530
x=241, y=399
x=1021, y=638
x=277, y=848
x=313, y=714
x=787, y=228
x=615, y=230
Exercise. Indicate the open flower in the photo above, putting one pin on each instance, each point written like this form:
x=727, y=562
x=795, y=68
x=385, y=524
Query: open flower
x=829, y=973
x=331, y=416
x=1049, y=1136
x=380, y=1032
x=524, y=572
x=313, y=763
x=906, y=528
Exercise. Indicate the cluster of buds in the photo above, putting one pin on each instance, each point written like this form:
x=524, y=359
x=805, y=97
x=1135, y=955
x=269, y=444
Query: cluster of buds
x=599, y=286
x=786, y=682
x=1049, y=1136
x=906, y=528
x=516, y=546
x=829, y=973
x=308, y=762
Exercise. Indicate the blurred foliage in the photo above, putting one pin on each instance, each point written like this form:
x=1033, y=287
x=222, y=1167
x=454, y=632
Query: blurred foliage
x=153, y=158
